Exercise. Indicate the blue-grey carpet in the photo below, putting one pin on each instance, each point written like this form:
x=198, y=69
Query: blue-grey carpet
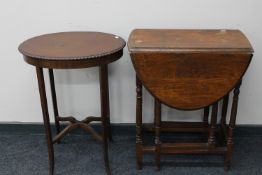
x=25, y=153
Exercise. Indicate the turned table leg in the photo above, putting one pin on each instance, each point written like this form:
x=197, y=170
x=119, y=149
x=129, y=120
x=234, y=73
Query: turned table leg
x=205, y=118
x=103, y=72
x=139, y=147
x=223, y=119
x=231, y=127
x=157, y=132
x=224, y=109
x=42, y=92
x=212, y=129
x=54, y=100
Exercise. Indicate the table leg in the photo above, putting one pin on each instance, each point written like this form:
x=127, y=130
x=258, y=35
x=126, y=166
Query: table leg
x=206, y=113
x=231, y=127
x=53, y=92
x=212, y=129
x=107, y=104
x=157, y=132
x=42, y=92
x=104, y=112
x=139, y=147
x=224, y=109
x=223, y=119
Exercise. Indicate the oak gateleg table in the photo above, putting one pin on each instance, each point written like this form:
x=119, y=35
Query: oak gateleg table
x=189, y=70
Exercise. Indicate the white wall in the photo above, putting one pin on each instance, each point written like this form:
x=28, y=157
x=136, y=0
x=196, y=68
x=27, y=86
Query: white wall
x=78, y=90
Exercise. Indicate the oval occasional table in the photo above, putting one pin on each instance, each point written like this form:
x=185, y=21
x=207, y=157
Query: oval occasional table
x=73, y=50
x=189, y=70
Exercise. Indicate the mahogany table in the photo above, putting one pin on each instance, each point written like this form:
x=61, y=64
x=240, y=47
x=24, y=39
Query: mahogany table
x=189, y=70
x=72, y=50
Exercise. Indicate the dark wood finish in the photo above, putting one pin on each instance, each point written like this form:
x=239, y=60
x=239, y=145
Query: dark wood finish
x=191, y=64
x=188, y=40
x=186, y=148
x=211, y=138
x=73, y=64
x=48, y=133
x=224, y=109
x=104, y=112
x=157, y=132
x=70, y=50
x=106, y=99
x=189, y=81
x=74, y=124
x=231, y=127
x=139, y=147
x=206, y=114
x=223, y=120
x=186, y=127
x=54, y=100
x=188, y=70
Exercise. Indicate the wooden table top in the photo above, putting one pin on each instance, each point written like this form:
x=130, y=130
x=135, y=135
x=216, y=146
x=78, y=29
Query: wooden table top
x=189, y=69
x=190, y=40
x=71, y=46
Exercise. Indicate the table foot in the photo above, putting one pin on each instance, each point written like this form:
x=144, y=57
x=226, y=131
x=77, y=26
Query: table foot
x=226, y=167
x=139, y=156
x=106, y=160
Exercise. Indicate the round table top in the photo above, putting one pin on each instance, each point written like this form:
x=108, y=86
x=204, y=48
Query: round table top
x=189, y=69
x=52, y=50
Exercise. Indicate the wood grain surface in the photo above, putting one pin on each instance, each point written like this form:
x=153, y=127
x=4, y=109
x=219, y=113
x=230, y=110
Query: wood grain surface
x=189, y=69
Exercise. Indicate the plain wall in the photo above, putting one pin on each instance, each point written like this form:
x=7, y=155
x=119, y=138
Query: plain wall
x=78, y=90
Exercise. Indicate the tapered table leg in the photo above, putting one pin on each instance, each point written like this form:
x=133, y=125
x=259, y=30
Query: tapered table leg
x=139, y=147
x=54, y=100
x=42, y=92
x=231, y=127
x=107, y=104
x=104, y=112
x=157, y=132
